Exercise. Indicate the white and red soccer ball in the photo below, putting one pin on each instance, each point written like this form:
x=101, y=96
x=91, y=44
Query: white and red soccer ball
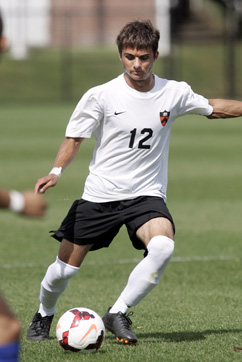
x=80, y=329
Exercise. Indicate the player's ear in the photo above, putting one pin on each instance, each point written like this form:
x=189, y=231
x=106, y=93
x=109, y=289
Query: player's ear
x=120, y=56
x=156, y=55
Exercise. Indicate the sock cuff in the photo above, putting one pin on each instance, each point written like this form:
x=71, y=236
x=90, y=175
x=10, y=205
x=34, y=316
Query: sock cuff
x=58, y=261
x=161, y=239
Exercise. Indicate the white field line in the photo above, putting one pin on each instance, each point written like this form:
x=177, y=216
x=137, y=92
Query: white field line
x=176, y=259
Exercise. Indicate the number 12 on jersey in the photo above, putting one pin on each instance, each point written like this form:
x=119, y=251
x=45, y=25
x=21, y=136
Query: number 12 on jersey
x=148, y=132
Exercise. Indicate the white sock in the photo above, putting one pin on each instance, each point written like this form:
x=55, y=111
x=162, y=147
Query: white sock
x=146, y=274
x=54, y=283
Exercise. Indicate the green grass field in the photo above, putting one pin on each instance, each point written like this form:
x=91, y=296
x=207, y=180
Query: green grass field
x=195, y=312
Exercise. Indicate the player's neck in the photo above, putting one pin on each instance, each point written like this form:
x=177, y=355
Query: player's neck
x=140, y=85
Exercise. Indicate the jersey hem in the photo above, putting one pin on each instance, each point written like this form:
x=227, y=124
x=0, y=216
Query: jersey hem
x=118, y=198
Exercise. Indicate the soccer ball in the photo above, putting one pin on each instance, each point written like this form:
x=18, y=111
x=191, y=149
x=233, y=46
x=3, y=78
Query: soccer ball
x=80, y=329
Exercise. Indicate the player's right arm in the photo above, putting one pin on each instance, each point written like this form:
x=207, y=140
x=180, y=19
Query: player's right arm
x=66, y=154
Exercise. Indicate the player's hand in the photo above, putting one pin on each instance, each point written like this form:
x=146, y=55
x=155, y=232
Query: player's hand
x=45, y=182
x=35, y=205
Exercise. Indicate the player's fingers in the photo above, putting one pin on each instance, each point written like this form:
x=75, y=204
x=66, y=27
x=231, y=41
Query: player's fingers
x=40, y=188
x=43, y=184
x=36, y=188
x=39, y=184
x=50, y=182
x=43, y=188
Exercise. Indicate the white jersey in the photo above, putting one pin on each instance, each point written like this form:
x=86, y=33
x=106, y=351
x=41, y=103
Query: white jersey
x=132, y=131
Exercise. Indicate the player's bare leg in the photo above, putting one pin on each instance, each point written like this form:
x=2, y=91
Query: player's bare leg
x=155, y=227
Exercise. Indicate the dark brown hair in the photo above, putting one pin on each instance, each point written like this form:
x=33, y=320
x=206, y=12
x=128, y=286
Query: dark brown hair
x=138, y=34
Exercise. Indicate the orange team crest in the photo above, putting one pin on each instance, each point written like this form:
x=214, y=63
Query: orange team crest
x=164, y=117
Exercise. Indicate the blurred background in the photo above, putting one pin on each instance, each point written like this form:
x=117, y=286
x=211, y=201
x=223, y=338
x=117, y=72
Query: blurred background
x=57, y=49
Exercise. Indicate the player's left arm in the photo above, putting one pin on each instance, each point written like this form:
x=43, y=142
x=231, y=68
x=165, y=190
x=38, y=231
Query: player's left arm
x=225, y=108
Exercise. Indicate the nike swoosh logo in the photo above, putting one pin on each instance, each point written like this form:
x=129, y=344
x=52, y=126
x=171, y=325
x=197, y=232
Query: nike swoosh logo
x=117, y=113
x=93, y=326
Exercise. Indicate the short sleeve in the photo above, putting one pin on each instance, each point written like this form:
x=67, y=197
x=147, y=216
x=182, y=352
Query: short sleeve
x=86, y=116
x=193, y=103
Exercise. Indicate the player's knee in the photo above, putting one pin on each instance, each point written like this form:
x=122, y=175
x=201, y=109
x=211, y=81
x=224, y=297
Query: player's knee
x=161, y=248
x=63, y=270
x=58, y=274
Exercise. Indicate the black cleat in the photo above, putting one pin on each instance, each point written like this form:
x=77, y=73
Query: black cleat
x=119, y=324
x=39, y=328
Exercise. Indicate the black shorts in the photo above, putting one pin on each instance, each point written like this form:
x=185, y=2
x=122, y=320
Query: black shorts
x=98, y=223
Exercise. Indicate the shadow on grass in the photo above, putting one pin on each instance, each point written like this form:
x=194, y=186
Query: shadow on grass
x=184, y=336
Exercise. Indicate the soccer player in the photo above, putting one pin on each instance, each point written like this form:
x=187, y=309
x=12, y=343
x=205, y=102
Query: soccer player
x=29, y=204
x=131, y=118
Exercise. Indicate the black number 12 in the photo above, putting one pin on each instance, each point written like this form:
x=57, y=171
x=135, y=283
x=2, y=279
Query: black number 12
x=147, y=131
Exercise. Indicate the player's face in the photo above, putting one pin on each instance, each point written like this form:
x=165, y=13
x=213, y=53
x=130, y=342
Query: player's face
x=138, y=64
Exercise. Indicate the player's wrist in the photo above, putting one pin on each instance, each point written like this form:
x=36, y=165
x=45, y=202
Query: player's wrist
x=17, y=201
x=56, y=171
